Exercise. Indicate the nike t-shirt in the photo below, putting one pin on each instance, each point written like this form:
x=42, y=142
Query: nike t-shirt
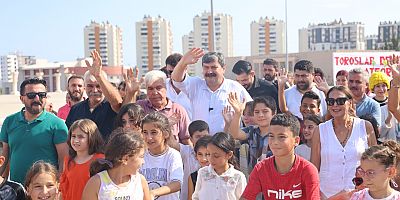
x=301, y=182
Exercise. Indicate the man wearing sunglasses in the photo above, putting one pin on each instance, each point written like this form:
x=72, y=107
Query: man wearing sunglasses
x=33, y=134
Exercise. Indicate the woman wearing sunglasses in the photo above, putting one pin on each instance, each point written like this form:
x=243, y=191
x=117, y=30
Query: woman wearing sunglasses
x=339, y=142
x=378, y=168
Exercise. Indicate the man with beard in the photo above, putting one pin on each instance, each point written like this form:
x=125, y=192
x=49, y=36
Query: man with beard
x=208, y=96
x=75, y=92
x=270, y=67
x=303, y=78
x=33, y=134
x=103, y=100
x=254, y=86
x=358, y=83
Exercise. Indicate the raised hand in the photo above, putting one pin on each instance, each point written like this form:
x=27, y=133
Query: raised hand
x=394, y=63
x=227, y=113
x=237, y=106
x=132, y=81
x=321, y=84
x=282, y=79
x=96, y=67
x=192, y=56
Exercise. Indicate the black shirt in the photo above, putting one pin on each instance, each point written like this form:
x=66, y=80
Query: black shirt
x=103, y=115
x=12, y=191
x=263, y=88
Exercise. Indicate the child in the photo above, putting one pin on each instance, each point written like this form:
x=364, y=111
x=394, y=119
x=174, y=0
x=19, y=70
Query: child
x=254, y=136
x=41, y=181
x=378, y=168
x=117, y=175
x=85, y=145
x=129, y=116
x=9, y=189
x=163, y=166
x=200, y=148
x=310, y=123
x=220, y=180
x=197, y=130
x=283, y=175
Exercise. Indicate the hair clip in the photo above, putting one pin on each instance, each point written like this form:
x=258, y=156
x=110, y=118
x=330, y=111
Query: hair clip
x=104, y=161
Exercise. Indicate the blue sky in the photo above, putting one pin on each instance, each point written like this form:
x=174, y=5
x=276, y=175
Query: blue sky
x=53, y=29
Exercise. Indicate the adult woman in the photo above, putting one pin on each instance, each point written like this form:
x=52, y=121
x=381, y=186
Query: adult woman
x=342, y=78
x=338, y=143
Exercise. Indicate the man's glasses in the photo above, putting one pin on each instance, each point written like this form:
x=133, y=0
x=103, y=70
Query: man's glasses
x=357, y=181
x=32, y=95
x=339, y=101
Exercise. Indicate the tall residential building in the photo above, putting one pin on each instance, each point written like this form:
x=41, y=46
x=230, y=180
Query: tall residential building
x=201, y=37
x=334, y=36
x=371, y=42
x=107, y=40
x=153, y=43
x=388, y=31
x=10, y=65
x=267, y=37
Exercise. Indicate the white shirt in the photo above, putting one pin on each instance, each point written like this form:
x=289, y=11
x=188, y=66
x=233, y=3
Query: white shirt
x=338, y=163
x=364, y=195
x=388, y=131
x=109, y=190
x=163, y=169
x=304, y=151
x=293, y=100
x=228, y=186
x=208, y=105
x=180, y=98
x=190, y=165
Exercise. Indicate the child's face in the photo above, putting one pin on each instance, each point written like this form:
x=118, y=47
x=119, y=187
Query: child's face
x=201, y=156
x=79, y=140
x=262, y=114
x=309, y=106
x=309, y=127
x=375, y=176
x=217, y=157
x=281, y=141
x=43, y=186
x=380, y=90
x=247, y=117
x=135, y=162
x=153, y=136
x=129, y=123
x=197, y=135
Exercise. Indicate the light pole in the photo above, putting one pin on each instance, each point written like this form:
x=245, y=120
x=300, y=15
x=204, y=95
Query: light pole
x=286, y=38
x=212, y=44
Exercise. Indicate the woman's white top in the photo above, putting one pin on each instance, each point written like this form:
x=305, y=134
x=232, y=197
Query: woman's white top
x=338, y=163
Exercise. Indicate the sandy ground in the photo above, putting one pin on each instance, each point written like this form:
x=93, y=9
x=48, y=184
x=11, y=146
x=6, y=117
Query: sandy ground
x=10, y=104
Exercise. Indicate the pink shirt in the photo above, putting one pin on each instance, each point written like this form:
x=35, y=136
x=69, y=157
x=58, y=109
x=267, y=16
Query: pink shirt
x=64, y=111
x=180, y=124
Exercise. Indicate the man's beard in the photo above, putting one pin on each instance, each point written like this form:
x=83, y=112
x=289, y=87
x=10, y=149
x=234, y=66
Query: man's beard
x=304, y=87
x=34, y=111
x=75, y=98
x=269, y=77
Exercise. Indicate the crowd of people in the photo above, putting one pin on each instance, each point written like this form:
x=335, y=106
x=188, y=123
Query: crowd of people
x=303, y=138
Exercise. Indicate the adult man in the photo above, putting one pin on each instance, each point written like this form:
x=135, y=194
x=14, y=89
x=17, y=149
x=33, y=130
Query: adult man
x=173, y=93
x=358, y=82
x=75, y=91
x=254, y=86
x=303, y=77
x=103, y=100
x=208, y=96
x=33, y=134
x=271, y=72
x=157, y=101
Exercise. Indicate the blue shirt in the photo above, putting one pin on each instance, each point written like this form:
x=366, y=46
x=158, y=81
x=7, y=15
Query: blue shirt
x=369, y=106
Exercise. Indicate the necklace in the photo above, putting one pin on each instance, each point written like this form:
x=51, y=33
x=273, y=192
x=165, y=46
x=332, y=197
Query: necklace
x=348, y=126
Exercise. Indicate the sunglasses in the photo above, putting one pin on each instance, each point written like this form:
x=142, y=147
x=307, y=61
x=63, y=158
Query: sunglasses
x=32, y=95
x=339, y=101
x=357, y=181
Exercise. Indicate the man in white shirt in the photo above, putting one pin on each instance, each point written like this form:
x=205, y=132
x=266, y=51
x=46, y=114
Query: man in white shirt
x=208, y=96
x=303, y=78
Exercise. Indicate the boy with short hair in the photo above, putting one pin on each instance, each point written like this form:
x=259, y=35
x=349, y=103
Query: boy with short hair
x=283, y=175
x=9, y=189
x=197, y=130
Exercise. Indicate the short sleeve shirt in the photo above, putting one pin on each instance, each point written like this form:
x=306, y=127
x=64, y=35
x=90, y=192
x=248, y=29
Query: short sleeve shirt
x=31, y=141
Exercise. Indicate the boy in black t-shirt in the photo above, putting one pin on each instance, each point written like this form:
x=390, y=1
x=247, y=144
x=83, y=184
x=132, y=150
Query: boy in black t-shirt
x=9, y=190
